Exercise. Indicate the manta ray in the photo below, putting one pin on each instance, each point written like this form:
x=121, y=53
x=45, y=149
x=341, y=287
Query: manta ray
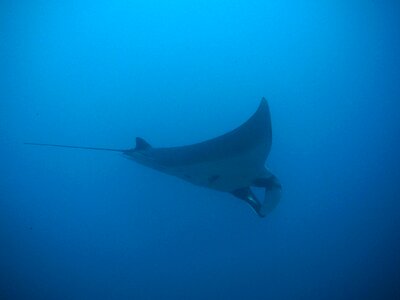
x=233, y=162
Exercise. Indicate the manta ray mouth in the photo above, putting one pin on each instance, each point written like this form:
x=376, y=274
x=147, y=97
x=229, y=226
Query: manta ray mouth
x=250, y=198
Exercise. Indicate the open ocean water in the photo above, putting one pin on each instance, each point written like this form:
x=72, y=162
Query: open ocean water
x=80, y=224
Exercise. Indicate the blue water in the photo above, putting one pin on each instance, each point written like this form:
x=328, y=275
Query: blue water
x=93, y=225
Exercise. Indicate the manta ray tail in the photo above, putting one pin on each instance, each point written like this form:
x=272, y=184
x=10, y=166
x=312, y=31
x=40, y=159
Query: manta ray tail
x=76, y=147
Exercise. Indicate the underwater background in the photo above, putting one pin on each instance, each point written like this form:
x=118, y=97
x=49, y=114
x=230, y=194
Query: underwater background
x=80, y=224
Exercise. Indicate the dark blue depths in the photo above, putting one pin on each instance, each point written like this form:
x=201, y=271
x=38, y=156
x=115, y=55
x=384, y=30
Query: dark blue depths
x=93, y=225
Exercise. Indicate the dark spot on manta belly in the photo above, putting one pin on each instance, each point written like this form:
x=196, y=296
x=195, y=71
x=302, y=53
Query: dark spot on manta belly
x=212, y=179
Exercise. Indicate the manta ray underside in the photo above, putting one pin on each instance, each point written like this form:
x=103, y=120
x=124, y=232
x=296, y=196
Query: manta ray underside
x=233, y=162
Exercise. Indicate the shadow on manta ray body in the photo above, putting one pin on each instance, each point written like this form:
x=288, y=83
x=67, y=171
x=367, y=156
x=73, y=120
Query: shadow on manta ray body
x=233, y=162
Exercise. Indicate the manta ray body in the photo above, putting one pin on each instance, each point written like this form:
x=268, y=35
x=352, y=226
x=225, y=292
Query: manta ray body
x=233, y=162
